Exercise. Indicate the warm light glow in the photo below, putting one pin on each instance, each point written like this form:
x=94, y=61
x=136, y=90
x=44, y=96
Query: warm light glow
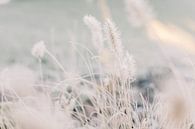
x=172, y=35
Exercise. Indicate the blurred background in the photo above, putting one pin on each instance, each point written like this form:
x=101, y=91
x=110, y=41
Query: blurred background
x=57, y=22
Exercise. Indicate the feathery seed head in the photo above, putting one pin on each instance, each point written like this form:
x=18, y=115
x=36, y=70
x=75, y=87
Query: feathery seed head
x=96, y=30
x=39, y=49
x=113, y=37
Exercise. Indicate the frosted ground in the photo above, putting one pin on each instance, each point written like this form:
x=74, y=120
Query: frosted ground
x=24, y=22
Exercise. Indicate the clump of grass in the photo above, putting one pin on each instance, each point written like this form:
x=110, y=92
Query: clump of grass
x=104, y=99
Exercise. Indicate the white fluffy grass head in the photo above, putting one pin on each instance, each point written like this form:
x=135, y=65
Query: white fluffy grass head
x=112, y=36
x=96, y=31
x=39, y=49
x=122, y=62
